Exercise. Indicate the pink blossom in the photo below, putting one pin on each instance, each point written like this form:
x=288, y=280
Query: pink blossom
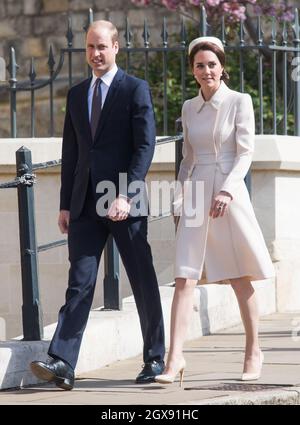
x=239, y=13
x=141, y=2
x=213, y=3
x=235, y=10
x=288, y=16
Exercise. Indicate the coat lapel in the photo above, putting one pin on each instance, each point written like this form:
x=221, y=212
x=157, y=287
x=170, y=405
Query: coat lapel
x=222, y=103
x=109, y=101
x=84, y=110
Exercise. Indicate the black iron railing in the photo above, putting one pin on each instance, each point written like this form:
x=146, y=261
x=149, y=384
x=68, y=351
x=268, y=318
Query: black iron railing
x=31, y=308
x=288, y=50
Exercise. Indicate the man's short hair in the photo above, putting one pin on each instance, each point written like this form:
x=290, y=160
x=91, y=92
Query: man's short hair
x=108, y=25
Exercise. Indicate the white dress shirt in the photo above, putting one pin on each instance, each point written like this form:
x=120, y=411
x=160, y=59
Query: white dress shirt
x=106, y=82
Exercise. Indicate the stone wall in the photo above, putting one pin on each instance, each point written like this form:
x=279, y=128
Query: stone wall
x=31, y=26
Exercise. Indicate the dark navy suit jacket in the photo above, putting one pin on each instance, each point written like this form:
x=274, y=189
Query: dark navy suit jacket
x=124, y=140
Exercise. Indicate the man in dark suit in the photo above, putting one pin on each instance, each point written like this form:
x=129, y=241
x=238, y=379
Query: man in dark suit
x=109, y=130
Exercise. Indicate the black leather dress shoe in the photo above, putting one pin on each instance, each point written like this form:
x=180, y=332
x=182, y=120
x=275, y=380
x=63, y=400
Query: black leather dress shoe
x=54, y=371
x=149, y=371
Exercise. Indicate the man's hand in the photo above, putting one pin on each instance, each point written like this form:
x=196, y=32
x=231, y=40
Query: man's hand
x=63, y=221
x=119, y=209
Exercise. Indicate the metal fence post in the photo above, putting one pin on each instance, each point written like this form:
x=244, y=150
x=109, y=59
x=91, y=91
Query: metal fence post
x=297, y=80
x=203, y=22
x=178, y=146
x=12, y=68
x=31, y=308
x=111, y=281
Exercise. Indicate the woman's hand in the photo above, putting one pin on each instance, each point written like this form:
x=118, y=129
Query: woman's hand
x=220, y=204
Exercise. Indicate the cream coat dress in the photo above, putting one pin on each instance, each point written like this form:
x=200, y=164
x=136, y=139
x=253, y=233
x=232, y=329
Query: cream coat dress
x=217, y=150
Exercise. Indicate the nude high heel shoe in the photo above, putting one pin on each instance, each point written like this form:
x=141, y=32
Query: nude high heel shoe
x=256, y=375
x=168, y=378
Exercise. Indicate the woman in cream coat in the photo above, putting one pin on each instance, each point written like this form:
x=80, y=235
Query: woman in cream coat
x=218, y=127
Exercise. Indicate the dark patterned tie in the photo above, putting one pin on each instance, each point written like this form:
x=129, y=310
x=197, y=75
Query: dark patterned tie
x=96, y=106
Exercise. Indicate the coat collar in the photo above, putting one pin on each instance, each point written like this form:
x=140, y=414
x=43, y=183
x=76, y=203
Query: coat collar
x=107, y=78
x=216, y=99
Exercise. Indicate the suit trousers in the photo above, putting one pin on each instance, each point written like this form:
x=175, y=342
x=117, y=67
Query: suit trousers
x=87, y=237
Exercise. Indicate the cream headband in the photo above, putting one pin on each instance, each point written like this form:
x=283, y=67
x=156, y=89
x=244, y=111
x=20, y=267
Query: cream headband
x=213, y=40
